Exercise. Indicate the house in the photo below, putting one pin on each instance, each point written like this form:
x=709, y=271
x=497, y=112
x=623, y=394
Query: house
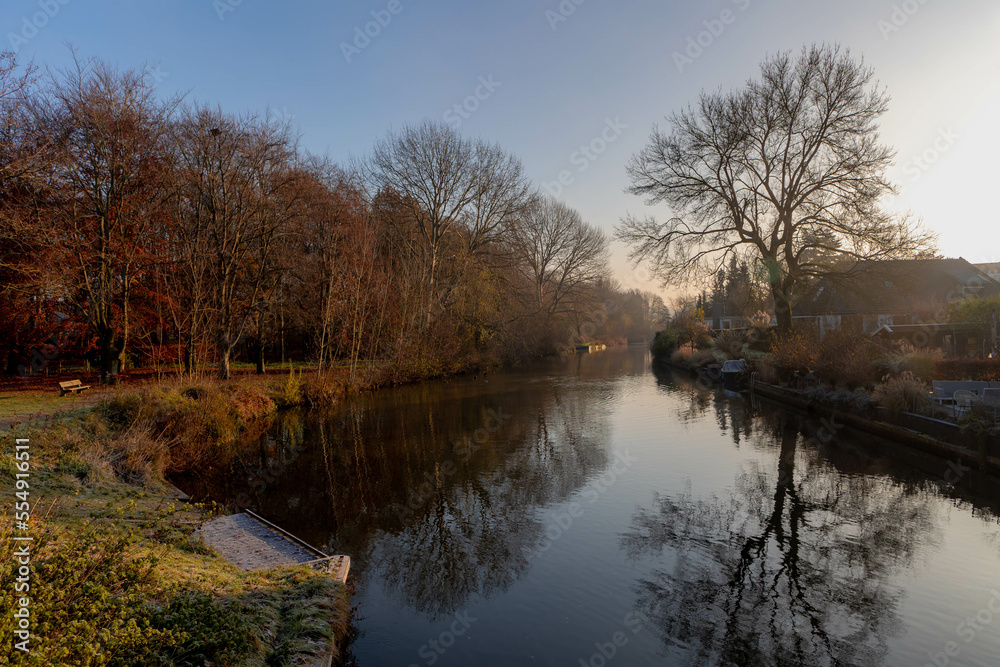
x=992, y=270
x=718, y=319
x=905, y=299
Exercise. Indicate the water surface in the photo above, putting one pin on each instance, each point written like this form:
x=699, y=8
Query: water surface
x=594, y=511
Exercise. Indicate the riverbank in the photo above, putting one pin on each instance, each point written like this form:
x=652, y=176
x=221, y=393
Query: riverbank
x=948, y=440
x=119, y=576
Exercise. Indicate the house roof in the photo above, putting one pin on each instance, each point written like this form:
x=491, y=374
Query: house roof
x=895, y=287
x=989, y=268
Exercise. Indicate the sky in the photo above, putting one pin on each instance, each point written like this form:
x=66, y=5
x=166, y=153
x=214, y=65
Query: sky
x=572, y=87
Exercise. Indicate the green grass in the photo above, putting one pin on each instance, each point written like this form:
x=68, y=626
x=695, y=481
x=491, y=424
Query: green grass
x=119, y=576
x=22, y=407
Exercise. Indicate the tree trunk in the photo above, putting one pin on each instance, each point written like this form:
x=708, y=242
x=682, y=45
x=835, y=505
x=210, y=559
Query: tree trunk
x=782, y=308
x=433, y=284
x=260, y=343
x=110, y=355
x=225, y=351
x=260, y=355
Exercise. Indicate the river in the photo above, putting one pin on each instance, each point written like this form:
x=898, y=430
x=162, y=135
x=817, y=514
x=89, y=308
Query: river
x=595, y=511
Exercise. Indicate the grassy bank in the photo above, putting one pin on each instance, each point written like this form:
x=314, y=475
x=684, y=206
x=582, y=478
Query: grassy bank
x=118, y=576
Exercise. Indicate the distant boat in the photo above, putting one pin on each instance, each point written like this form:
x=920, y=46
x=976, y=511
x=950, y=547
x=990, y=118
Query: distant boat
x=593, y=347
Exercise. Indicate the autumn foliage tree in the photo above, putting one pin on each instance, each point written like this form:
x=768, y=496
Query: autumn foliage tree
x=104, y=187
x=137, y=228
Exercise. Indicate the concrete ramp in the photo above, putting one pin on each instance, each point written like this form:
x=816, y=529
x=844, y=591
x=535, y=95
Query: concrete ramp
x=250, y=542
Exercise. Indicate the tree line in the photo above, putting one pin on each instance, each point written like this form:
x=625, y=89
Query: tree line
x=138, y=229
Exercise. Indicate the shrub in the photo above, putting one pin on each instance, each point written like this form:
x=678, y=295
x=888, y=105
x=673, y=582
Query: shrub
x=976, y=370
x=846, y=359
x=203, y=629
x=121, y=409
x=136, y=457
x=291, y=392
x=759, y=320
x=665, y=342
x=903, y=394
x=921, y=362
x=87, y=600
x=250, y=404
x=731, y=342
x=317, y=392
x=703, y=340
x=765, y=368
x=97, y=600
x=980, y=421
x=794, y=351
x=681, y=355
x=192, y=422
x=702, y=358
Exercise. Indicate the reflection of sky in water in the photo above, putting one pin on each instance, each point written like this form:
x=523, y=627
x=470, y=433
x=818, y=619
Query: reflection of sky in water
x=553, y=544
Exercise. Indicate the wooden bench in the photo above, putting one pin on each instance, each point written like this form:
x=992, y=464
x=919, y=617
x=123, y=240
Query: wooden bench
x=72, y=387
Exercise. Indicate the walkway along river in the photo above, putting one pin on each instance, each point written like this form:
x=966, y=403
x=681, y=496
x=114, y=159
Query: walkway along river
x=593, y=511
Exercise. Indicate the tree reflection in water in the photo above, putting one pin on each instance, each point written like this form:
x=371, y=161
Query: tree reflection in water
x=475, y=534
x=795, y=567
x=384, y=480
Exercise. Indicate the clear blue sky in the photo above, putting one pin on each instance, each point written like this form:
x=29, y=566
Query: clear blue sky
x=561, y=81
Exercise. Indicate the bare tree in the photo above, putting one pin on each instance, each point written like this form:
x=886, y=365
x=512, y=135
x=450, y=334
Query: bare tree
x=446, y=181
x=339, y=264
x=562, y=253
x=789, y=167
x=235, y=204
x=22, y=151
x=501, y=196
